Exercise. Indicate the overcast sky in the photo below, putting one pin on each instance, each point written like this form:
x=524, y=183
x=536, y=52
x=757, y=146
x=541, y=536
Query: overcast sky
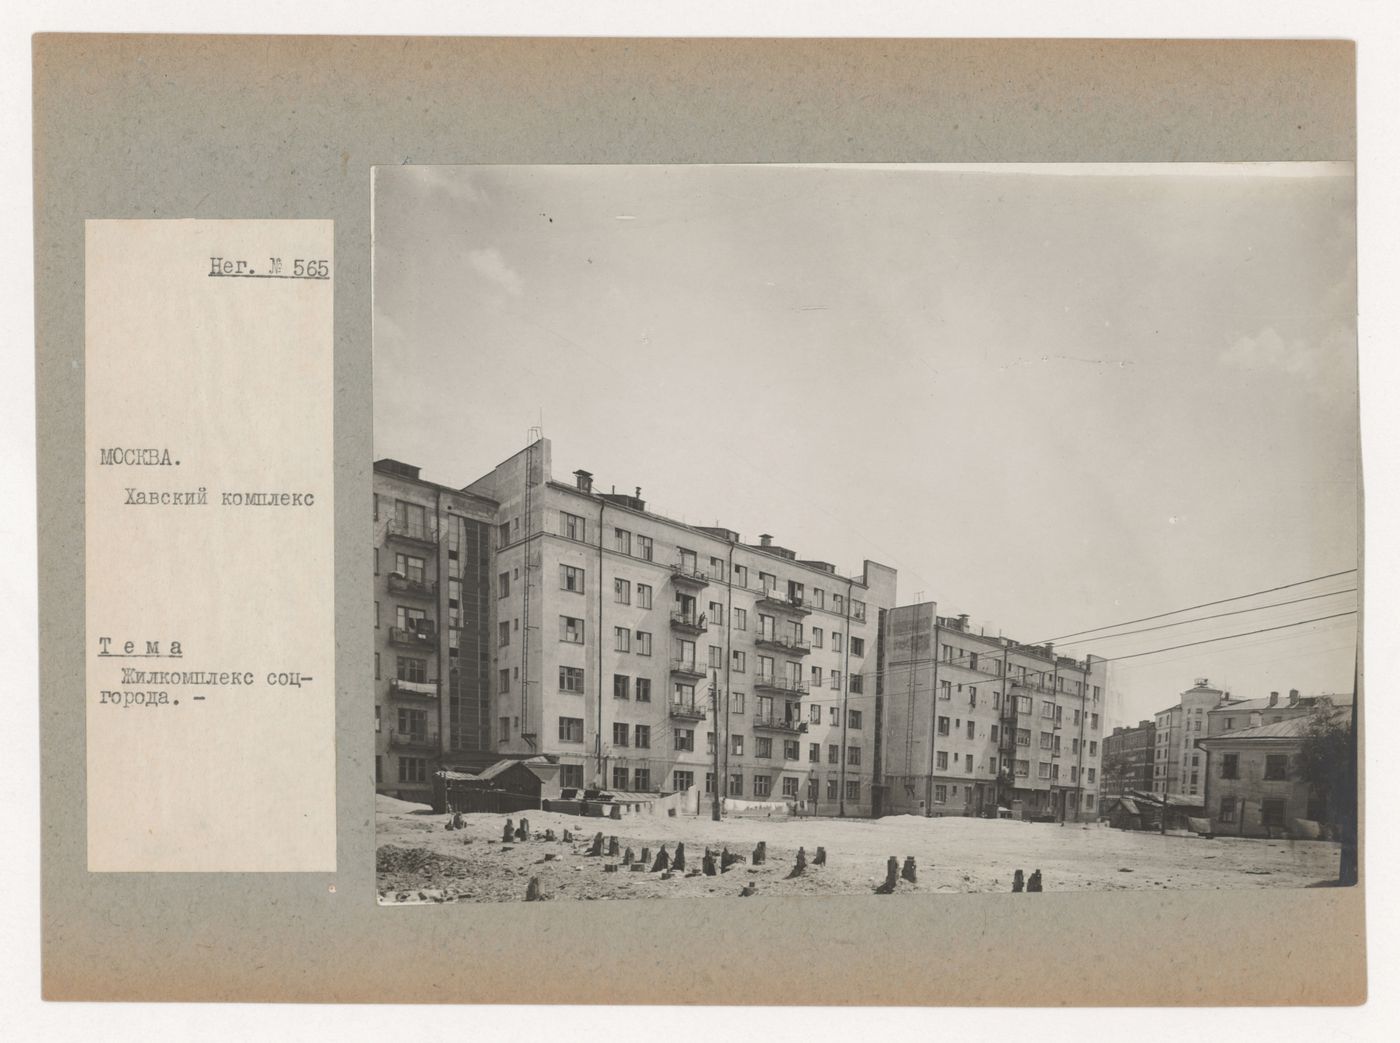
x=1052, y=398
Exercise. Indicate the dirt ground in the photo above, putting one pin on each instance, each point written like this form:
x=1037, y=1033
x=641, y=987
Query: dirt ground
x=420, y=860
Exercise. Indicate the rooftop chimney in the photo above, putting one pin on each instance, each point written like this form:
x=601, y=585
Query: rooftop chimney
x=1292, y=697
x=638, y=493
x=1273, y=698
x=585, y=481
x=765, y=539
x=962, y=620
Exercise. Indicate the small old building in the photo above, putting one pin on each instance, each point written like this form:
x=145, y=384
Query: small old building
x=1254, y=783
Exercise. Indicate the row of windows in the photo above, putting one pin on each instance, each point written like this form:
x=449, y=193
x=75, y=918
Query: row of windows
x=990, y=663
x=575, y=527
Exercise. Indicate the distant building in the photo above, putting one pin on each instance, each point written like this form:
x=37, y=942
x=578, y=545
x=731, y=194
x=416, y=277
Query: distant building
x=1177, y=763
x=1254, y=786
x=970, y=722
x=1251, y=713
x=1128, y=756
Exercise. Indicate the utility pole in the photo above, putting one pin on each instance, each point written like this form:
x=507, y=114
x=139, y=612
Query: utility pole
x=714, y=703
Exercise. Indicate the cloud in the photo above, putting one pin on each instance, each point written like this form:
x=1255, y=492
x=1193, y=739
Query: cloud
x=1268, y=350
x=490, y=265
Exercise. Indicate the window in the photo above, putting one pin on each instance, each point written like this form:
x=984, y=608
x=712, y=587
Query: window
x=833, y=754
x=1227, y=809
x=736, y=784
x=709, y=783
x=736, y=702
x=971, y=695
x=995, y=730
x=682, y=780
x=622, y=686
x=790, y=787
x=376, y=666
x=716, y=657
x=643, y=690
x=1023, y=736
x=619, y=777
x=836, y=680
x=622, y=541
x=504, y=686
x=814, y=752
x=741, y=619
x=835, y=717
x=1045, y=740
x=763, y=747
x=857, y=683
x=838, y=604
x=940, y=793
x=622, y=639
x=853, y=755
x=1093, y=748
x=1023, y=704
x=571, y=578
x=943, y=726
x=853, y=720
x=736, y=745
x=1091, y=774
x=717, y=569
x=972, y=729
x=816, y=637
x=503, y=585
x=643, y=643
x=570, y=679
x=1276, y=766
x=767, y=582
x=739, y=661
x=684, y=740
x=644, y=547
x=503, y=633
x=571, y=630
x=415, y=670
x=941, y=760
x=831, y=785
x=792, y=750
x=816, y=680
x=945, y=689
x=619, y=735
x=413, y=769
x=622, y=592
x=643, y=595
x=858, y=646
x=571, y=776
x=765, y=669
x=947, y=653
x=716, y=614
x=683, y=694
x=641, y=736
x=571, y=729
x=502, y=534
x=853, y=789
x=1093, y=720
x=1274, y=812
x=503, y=730
x=1047, y=709
x=1023, y=768
x=836, y=640
x=1044, y=769
x=572, y=527
x=1074, y=746
x=967, y=767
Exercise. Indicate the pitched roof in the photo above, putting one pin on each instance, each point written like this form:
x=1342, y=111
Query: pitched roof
x=1293, y=728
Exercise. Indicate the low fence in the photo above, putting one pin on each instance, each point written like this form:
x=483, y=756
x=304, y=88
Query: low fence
x=472, y=800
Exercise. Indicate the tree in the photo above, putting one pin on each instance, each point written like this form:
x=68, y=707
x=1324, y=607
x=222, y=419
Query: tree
x=1325, y=764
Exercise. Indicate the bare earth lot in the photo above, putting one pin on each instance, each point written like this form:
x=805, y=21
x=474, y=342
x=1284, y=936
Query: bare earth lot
x=421, y=861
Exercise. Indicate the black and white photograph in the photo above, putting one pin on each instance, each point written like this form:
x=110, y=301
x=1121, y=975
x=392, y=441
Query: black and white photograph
x=757, y=531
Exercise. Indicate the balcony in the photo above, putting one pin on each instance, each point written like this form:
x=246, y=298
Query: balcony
x=689, y=623
x=781, y=685
x=786, y=645
x=688, y=669
x=774, y=723
x=423, y=638
x=419, y=535
x=414, y=588
x=413, y=740
x=782, y=603
x=689, y=711
x=413, y=689
x=689, y=576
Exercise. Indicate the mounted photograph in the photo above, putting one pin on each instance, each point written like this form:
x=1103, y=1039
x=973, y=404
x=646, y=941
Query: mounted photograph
x=757, y=531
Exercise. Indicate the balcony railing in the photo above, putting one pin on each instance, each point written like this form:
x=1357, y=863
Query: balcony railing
x=782, y=644
x=689, y=622
x=426, y=535
x=414, y=689
x=689, y=575
x=785, y=685
x=401, y=584
x=773, y=722
x=689, y=711
x=413, y=740
x=783, y=603
x=687, y=668
x=419, y=637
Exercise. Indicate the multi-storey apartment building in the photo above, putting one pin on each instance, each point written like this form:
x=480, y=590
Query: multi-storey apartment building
x=639, y=650
x=432, y=690
x=1128, y=755
x=1234, y=715
x=1177, y=763
x=970, y=722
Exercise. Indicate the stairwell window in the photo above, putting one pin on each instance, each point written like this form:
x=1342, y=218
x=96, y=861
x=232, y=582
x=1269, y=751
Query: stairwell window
x=944, y=726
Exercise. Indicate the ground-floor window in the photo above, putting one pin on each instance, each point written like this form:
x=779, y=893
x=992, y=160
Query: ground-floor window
x=641, y=780
x=790, y=786
x=1274, y=812
x=736, y=784
x=853, y=789
x=940, y=793
x=709, y=783
x=762, y=785
x=682, y=780
x=413, y=769
x=1227, y=809
x=571, y=776
x=831, y=790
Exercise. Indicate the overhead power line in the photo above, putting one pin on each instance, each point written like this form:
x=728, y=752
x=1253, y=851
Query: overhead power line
x=1192, y=608
x=1222, y=615
x=1229, y=637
